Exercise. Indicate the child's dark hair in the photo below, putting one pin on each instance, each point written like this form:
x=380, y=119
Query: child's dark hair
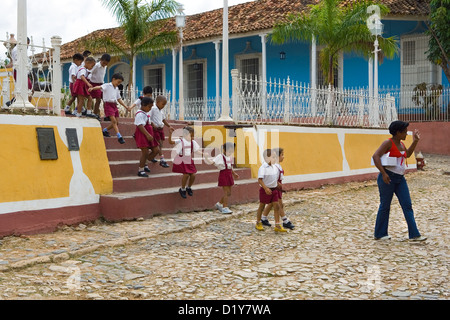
x=278, y=151
x=267, y=153
x=397, y=126
x=228, y=146
x=78, y=56
x=106, y=57
x=117, y=76
x=147, y=90
x=189, y=129
x=86, y=53
x=145, y=101
x=89, y=59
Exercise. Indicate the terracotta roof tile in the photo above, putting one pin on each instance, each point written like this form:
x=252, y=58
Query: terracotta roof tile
x=244, y=18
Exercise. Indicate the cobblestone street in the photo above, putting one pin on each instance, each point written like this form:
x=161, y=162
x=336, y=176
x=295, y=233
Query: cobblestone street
x=331, y=254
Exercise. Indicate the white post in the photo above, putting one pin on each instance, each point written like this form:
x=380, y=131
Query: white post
x=21, y=85
x=235, y=93
x=181, y=76
x=375, y=87
x=225, y=68
x=57, y=75
x=264, y=76
x=313, y=77
x=174, y=83
x=217, y=47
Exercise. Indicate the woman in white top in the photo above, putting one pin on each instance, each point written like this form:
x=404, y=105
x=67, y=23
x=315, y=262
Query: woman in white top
x=392, y=180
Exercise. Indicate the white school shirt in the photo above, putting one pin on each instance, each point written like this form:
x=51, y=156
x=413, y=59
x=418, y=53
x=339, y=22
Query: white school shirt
x=82, y=71
x=141, y=118
x=72, y=71
x=187, y=146
x=98, y=73
x=269, y=175
x=110, y=93
x=157, y=117
x=218, y=162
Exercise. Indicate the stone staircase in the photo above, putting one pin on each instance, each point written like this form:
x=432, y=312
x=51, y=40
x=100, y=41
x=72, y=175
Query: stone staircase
x=135, y=197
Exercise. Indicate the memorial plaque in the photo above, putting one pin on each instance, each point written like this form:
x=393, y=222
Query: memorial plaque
x=72, y=139
x=47, y=143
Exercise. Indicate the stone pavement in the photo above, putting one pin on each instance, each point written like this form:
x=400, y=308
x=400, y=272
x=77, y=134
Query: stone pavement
x=330, y=254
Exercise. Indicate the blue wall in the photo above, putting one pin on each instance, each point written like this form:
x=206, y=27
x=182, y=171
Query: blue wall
x=296, y=65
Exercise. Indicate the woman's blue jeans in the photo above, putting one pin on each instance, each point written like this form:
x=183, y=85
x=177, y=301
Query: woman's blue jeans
x=399, y=187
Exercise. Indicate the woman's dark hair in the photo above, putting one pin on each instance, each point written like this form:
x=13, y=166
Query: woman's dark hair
x=397, y=126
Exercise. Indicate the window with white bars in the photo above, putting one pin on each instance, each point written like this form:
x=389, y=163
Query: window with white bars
x=415, y=66
x=154, y=77
x=195, y=81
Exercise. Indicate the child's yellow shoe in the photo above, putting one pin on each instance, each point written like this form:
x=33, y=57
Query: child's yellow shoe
x=259, y=226
x=279, y=228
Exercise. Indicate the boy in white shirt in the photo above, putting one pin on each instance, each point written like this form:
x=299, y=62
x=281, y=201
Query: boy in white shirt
x=77, y=60
x=158, y=120
x=97, y=78
x=268, y=180
x=111, y=96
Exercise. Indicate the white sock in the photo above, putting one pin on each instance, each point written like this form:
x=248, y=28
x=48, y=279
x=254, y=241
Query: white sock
x=264, y=218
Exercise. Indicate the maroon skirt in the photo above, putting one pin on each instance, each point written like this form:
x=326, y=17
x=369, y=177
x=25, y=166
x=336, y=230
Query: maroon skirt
x=80, y=88
x=141, y=139
x=184, y=165
x=226, y=178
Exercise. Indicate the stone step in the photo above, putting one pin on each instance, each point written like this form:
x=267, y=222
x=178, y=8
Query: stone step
x=130, y=143
x=129, y=154
x=132, y=205
x=167, y=180
x=130, y=168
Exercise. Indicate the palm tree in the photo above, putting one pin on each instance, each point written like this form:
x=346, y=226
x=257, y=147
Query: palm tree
x=338, y=28
x=143, y=26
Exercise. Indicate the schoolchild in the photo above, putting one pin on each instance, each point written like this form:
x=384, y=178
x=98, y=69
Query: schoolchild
x=158, y=121
x=77, y=60
x=97, y=78
x=82, y=86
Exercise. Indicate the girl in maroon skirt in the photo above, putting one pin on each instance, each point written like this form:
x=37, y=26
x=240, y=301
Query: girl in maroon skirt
x=183, y=162
x=224, y=162
x=82, y=85
x=144, y=136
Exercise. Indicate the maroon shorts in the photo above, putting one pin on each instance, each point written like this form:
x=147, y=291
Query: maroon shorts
x=266, y=198
x=111, y=109
x=96, y=94
x=226, y=178
x=71, y=90
x=159, y=134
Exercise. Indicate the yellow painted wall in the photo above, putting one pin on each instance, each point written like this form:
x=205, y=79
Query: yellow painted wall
x=95, y=161
x=25, y=177
x=317, y=152
x=359, y=149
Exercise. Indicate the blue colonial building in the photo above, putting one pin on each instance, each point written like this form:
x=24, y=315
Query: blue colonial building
x=251, y=52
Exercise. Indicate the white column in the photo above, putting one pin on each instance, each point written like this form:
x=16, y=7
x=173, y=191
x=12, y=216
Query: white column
x=313, y=77
x=57, y=74
x=217, y=47
x=174, y=83
x=225, y=68
x=375, y=87
x=181, y=79
x=21, y=85
x=264, y=75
